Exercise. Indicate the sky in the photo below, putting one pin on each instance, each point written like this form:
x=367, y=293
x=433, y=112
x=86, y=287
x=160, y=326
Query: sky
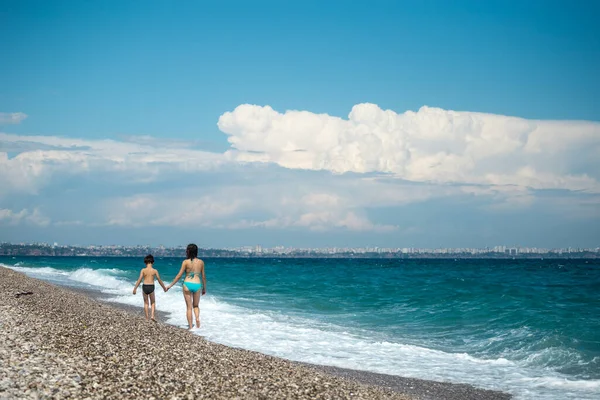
x=301, y=123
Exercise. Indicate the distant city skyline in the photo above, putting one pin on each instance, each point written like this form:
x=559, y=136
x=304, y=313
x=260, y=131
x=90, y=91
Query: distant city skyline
x=498, y=252
x=306, y=124
x=259, y=249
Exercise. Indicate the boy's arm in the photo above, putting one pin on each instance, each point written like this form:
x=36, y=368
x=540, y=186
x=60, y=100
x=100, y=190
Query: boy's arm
x=160, y=281
x=138, y=282
x=203, y=280
x=178, y=276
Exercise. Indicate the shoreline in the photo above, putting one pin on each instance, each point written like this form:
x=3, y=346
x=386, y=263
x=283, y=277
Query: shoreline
x=419, y=388
x=325, y=256
x=307, y=380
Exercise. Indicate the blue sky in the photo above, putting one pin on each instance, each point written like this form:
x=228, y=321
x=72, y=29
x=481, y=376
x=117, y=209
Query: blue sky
x=277, y=118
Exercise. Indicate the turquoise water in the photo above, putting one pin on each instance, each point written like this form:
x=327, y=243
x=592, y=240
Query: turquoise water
x=527, y=327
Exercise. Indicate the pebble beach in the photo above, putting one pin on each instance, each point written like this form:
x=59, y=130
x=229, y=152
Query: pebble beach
x=58, y=343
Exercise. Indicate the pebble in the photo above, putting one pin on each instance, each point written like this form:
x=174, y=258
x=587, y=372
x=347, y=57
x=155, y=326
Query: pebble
x=56, y=343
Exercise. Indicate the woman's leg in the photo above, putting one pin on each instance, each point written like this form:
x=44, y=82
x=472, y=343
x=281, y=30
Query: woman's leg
x=146, y=304
x=152, y=302
x=188, y=304
x=196, y=307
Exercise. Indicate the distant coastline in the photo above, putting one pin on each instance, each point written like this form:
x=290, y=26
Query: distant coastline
x=47, y=250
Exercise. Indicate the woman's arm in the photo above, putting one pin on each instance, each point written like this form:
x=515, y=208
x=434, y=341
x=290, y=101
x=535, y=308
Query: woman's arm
x=203, y=280
x=181, y=271
x=138, y=282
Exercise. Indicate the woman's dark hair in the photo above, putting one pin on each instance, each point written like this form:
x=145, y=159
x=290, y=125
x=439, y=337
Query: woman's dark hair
x=192, y=251
x=149, y=259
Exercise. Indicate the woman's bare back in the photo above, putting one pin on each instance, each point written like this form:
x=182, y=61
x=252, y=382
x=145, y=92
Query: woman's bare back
x=193, y=269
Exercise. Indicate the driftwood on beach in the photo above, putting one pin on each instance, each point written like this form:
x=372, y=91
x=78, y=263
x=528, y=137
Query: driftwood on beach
x=56, y=343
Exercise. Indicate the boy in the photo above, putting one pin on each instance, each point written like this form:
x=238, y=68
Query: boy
x=148, y=274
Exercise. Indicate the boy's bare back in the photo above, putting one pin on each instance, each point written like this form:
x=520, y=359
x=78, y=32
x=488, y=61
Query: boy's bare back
x=149, y=274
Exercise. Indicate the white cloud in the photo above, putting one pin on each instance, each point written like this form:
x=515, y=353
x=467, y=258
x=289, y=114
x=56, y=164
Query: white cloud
x=118, y=154
x=503, y=198
x=12, y=118
x=32, y=169
x=286, y=202
x=316, y=211
x=11, y=217
x=34, y=217
x=275, y=205
x=37, y=218
x=183, y=209
x=69, y=223
x=321, y=221
x=304, y=171
x=431, y=145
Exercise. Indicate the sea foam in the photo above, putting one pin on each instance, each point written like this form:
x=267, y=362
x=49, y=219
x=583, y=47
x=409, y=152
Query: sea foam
x=307, y=340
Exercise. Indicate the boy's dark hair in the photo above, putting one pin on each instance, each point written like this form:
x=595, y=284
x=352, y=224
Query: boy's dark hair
x=149, y=259
x=192, y=251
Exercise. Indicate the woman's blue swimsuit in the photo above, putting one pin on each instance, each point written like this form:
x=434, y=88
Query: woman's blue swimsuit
x=192, y=286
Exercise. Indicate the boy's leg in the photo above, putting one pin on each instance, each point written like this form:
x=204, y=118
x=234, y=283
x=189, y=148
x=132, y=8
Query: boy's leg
x=146, y=304
x=188, y=305
x=153, y=305
x=197, y=308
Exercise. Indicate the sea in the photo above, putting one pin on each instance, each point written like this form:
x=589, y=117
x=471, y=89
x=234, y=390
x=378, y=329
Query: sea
x=527, y=327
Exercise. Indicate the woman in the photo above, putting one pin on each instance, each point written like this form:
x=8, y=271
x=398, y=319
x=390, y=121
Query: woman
x=193, y=267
